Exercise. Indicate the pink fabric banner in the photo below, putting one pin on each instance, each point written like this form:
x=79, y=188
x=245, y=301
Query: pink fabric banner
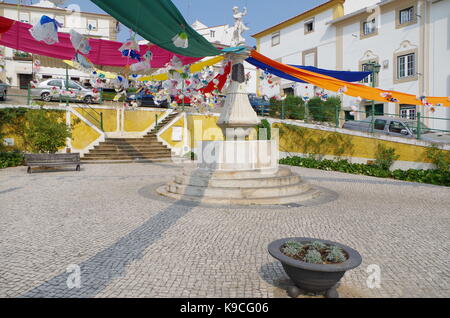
x=103, y=52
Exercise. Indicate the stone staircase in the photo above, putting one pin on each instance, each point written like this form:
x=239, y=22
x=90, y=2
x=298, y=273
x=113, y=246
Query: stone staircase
x=147, y=148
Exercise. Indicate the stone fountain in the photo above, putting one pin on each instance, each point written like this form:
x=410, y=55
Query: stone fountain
x=239, y=170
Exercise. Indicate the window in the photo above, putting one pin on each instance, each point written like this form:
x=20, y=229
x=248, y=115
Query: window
x=378, y=111
x=309, y=57
x=46, y=77
x=366, y=67
x=369, y=27
x=408, y=112
x=406, y=15
x=73, y=85
x=92, y=25
x=55, y=83
x=24, y=17
x=380, y=124
x=309, y=26
x=289, y=91
x=396, y=127
x=406, y=65
x=212, y=33
x=276, y=38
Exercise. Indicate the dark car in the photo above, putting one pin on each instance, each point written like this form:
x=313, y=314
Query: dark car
x=261, y=105
x=3, y=90
x=144, y=98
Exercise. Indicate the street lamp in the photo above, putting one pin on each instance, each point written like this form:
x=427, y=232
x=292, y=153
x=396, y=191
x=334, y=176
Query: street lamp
x=375, y=68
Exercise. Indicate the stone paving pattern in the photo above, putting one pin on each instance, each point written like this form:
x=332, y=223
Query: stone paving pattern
x=131, y=243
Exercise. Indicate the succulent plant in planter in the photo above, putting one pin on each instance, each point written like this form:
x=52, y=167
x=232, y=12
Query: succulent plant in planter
x=315, y=266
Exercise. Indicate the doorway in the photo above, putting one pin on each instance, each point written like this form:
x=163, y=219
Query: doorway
x=24, y=80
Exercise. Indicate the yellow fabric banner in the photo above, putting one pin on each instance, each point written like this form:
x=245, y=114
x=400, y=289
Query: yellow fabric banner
x=197, y=67
x=108, y=75
x=351, y=89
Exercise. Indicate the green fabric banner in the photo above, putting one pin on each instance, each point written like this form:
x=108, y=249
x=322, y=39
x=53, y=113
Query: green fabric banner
x=159, y=22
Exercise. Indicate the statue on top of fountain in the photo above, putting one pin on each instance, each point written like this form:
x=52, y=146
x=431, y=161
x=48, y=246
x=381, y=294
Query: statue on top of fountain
x=239, y=26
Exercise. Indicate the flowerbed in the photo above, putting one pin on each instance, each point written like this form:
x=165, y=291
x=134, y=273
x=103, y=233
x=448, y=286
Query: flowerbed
x=436, y=177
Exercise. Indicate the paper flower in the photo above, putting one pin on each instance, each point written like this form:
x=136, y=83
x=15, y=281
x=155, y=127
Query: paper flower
x=79, y=42
x=343, y=89
x=130, y=49
x=181, y=40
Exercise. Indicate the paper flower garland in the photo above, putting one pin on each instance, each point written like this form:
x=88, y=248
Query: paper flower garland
x=46, y=30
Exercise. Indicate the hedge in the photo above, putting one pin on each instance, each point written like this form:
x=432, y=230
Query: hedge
x=436, y=177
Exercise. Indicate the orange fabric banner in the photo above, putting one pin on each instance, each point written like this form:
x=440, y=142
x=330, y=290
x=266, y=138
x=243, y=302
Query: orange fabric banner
x=351, y=89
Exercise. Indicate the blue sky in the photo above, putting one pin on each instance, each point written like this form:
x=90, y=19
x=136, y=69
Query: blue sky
x=262, y=13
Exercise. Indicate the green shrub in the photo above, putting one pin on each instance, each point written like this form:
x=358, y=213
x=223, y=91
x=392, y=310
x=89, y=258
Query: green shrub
x=10, y=159
x=436, y=177
x=265, y=125
x=439, y=158
x=294, y=108
x=385, y=157
x=45, y=132
x=324, y=111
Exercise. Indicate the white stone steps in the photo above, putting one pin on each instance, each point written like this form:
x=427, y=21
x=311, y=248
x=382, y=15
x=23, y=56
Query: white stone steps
x=302, y=197
x=240, y=174
x=268, y=182
x=238, y=193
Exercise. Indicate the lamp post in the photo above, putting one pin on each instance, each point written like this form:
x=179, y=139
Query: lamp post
x=373, y=67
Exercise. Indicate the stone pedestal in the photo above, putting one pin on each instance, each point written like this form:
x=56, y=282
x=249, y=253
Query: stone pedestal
x=238, y=118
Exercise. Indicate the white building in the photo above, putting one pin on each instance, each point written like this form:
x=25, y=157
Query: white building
x=19, y=65
x=221, y=36
x=408, y=38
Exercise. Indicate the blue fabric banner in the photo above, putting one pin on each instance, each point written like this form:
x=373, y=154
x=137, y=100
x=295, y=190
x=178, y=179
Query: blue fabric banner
x=341, y=75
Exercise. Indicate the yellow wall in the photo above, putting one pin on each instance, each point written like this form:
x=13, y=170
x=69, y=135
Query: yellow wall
x=140, y=120
x=202, y=127
x=82, y=134
x=18, y=140
x=360, y=147
x=167, y=135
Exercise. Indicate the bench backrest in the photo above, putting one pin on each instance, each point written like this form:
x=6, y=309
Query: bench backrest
x=49, y=158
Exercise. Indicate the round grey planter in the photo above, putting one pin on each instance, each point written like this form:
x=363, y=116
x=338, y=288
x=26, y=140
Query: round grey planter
x=314, y=278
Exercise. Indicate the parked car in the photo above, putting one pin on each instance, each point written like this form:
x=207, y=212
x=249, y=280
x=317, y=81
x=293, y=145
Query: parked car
x=3, y=90
x=51, y=90
x=397, y=127
x=261, y=105
x=144, y=98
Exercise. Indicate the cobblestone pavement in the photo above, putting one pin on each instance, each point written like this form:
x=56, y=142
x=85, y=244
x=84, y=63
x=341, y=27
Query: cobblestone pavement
x=129, y=242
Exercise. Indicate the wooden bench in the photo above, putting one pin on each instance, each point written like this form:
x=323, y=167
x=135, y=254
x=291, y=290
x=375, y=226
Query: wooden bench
x=52, y=160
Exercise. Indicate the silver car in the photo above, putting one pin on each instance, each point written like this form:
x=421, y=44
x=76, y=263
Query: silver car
x=51, y=90
x=3, y=90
